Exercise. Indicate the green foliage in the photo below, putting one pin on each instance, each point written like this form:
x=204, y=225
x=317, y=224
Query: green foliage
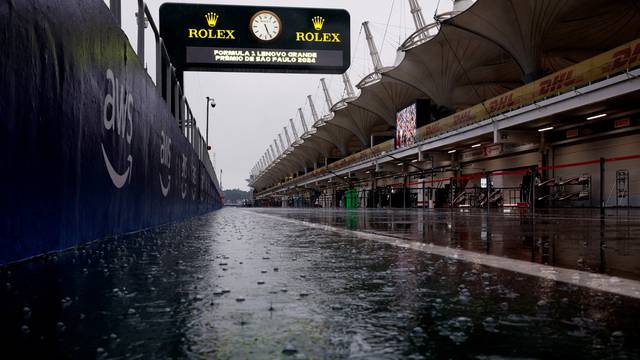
x=235, y=195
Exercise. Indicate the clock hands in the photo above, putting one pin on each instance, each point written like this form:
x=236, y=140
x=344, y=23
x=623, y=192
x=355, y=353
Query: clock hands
x=270, y=22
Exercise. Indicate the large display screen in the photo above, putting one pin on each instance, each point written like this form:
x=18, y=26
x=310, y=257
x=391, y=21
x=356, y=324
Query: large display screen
x=204, y=37
x=406, y=124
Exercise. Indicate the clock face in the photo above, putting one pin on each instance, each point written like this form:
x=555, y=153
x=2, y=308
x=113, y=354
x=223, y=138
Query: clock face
x=265, y=25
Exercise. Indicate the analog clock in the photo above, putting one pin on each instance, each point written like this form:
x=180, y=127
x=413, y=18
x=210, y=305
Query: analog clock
x=265, y=25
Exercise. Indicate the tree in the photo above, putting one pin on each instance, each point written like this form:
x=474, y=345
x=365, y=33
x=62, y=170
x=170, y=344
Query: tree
x=235, y=196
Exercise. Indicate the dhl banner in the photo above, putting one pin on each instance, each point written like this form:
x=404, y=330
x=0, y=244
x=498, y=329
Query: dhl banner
x=624, y=57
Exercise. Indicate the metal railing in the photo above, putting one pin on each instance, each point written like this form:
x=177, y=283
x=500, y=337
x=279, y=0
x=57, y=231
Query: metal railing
x=168, y=84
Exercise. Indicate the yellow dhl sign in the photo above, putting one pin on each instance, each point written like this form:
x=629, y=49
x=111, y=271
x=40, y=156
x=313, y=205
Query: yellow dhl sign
x=605, y=64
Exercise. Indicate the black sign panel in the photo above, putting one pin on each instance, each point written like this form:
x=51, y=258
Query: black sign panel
x=256, y=39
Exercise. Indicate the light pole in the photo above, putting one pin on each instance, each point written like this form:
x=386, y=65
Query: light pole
x=213, y=105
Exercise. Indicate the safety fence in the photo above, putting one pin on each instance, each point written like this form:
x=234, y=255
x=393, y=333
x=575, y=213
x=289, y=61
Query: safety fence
x=613, y=62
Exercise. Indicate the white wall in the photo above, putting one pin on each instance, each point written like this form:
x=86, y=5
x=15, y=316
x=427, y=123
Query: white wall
x=592, y=150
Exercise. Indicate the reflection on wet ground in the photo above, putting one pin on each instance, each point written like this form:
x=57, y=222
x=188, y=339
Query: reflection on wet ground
x=236, y=284
x=578, y=239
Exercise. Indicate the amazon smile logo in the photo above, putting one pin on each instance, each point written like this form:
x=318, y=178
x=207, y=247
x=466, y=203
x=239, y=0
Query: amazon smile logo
x=184, y=177
x=165, y=163
x=117, y=118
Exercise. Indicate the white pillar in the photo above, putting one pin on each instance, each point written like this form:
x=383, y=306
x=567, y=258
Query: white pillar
x=314, y=113
x=347, y=85
x=327, y=96
x=373, y=50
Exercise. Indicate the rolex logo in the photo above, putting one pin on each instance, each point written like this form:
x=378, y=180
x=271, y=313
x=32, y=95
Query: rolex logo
x=318, y=22
x=212, y=19
x=319, y=37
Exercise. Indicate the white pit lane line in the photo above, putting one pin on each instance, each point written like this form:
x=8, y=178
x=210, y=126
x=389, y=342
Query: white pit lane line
x=599, y=282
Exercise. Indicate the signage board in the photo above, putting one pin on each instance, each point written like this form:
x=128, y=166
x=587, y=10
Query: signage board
x=406, y=126
x=409, y=119
x=202, y=37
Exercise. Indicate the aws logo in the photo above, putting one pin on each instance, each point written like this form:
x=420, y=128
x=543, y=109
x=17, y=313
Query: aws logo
x=318, y=24
x=203, y=33
x=165, y=163
x=117, y=119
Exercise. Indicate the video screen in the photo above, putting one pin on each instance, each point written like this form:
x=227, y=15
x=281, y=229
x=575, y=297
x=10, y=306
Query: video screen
x=406, y=126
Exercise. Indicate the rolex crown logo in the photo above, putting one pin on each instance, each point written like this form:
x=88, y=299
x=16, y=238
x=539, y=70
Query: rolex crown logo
x=212, y=19
x=318, y=22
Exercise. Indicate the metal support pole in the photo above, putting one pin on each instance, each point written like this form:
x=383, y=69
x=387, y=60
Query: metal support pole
x=286, y=134
x=207, y=135
x=294, y=130
x=159, y=72
x=404, y=193
x=416, y=12
x=141, y=25
x=348, y=86
x=176, y=101
x=373, y=50
x=303, y=120
x=533, y=190
x=280, y=151
x=602, y=204
x=182, y=113
x=423, y=192
x=488, y=192
x=116, y=9
x=314, y=113
x=169, y=80
x=327, y=96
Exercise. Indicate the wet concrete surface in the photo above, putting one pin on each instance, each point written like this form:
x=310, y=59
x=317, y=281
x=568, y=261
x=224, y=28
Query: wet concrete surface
x=580, y=239
x=260, y=284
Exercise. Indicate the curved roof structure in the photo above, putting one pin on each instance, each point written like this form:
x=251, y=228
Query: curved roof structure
x=492, y=47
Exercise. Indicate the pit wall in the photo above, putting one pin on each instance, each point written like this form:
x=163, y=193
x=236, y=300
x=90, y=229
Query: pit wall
x=88, y=149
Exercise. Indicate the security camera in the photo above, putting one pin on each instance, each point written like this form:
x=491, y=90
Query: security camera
x=213, y=103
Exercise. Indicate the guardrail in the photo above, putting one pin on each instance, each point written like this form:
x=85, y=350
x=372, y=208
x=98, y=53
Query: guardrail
x=613, y=62
x=168, y=84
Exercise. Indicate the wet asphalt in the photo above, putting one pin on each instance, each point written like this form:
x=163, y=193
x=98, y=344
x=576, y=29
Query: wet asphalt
x=238, y=284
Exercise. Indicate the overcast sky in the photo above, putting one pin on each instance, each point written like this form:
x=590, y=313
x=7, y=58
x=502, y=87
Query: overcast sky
x=253, y=108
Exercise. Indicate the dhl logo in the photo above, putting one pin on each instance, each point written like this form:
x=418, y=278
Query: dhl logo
x=562, y=80
x=501, y=103
x=432, y=128
x=624, y=57
x=462, y=118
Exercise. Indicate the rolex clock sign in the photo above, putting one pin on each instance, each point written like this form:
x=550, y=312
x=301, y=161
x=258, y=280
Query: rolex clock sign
x=202, y=37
